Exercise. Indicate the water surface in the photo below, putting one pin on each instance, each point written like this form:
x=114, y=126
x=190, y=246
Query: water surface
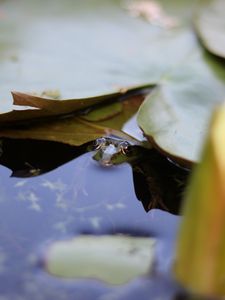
x=79, y=197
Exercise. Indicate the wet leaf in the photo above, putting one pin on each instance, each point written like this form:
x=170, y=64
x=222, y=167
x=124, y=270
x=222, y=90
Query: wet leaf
x=119, y=120
x=113, y=259
x=58, y=106
x=104, y=113
x=210, y=25
x=200, y=262
x=72, y=131
x=52, y=108
x=76, y=130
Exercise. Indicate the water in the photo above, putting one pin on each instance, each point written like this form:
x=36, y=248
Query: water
x=78, y=197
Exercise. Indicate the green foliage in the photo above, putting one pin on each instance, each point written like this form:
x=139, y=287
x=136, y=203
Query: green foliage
x=119, y=52
x=210, y=25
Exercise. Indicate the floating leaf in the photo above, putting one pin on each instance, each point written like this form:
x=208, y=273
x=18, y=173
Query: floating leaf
x=117, y=53
x=78, y=68
x=175, y=116
x=52, y=108
x=113, y=259
x=76, y=130
x=59, y=106
x=103, y=50
x=200, y=262
x=72, y=131
x=104, y=113
x=210, y=25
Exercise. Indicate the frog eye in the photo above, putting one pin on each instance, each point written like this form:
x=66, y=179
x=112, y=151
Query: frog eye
x=99, y=143
x=123, y=147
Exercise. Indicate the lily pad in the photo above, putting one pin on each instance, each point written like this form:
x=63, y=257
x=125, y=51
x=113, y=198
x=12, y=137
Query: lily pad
x=83, y=49
x=176, y=115
x=105, y=112
x=51, y=108
x=210, y=25
x=75, y=130
x=109, y=46
x=113, y=259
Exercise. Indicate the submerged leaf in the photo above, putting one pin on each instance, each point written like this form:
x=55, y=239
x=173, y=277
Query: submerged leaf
x=113, y=259
x=200, y=261
x=210, y=25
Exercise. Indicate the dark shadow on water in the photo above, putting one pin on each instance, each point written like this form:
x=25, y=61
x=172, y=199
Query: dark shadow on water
x=23, y=157
x=157, y=182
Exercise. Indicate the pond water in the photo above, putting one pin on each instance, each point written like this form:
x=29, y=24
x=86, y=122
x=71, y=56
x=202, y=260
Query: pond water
x=77, y=197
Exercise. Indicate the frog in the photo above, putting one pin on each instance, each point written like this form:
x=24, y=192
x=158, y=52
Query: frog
x=111, y=151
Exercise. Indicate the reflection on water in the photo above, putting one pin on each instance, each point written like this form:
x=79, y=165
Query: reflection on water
x=79, y=197
x=158, y=183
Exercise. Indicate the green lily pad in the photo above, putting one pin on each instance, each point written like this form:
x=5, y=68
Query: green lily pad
x=210, y=25
x=113, y=259
x=83, y=49
x=176, y=115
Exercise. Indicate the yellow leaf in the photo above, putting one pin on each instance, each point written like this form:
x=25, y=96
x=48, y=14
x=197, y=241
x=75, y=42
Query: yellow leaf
x=200, y=261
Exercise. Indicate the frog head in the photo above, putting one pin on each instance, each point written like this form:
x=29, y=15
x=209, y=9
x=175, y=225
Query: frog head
x=113, y=151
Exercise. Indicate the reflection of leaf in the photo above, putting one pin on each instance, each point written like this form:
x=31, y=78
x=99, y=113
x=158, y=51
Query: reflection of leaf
x=210, y=26
x=200, y=263
x=75, y=130
x=36, y=155
x=156, y=188
x=113, y=259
